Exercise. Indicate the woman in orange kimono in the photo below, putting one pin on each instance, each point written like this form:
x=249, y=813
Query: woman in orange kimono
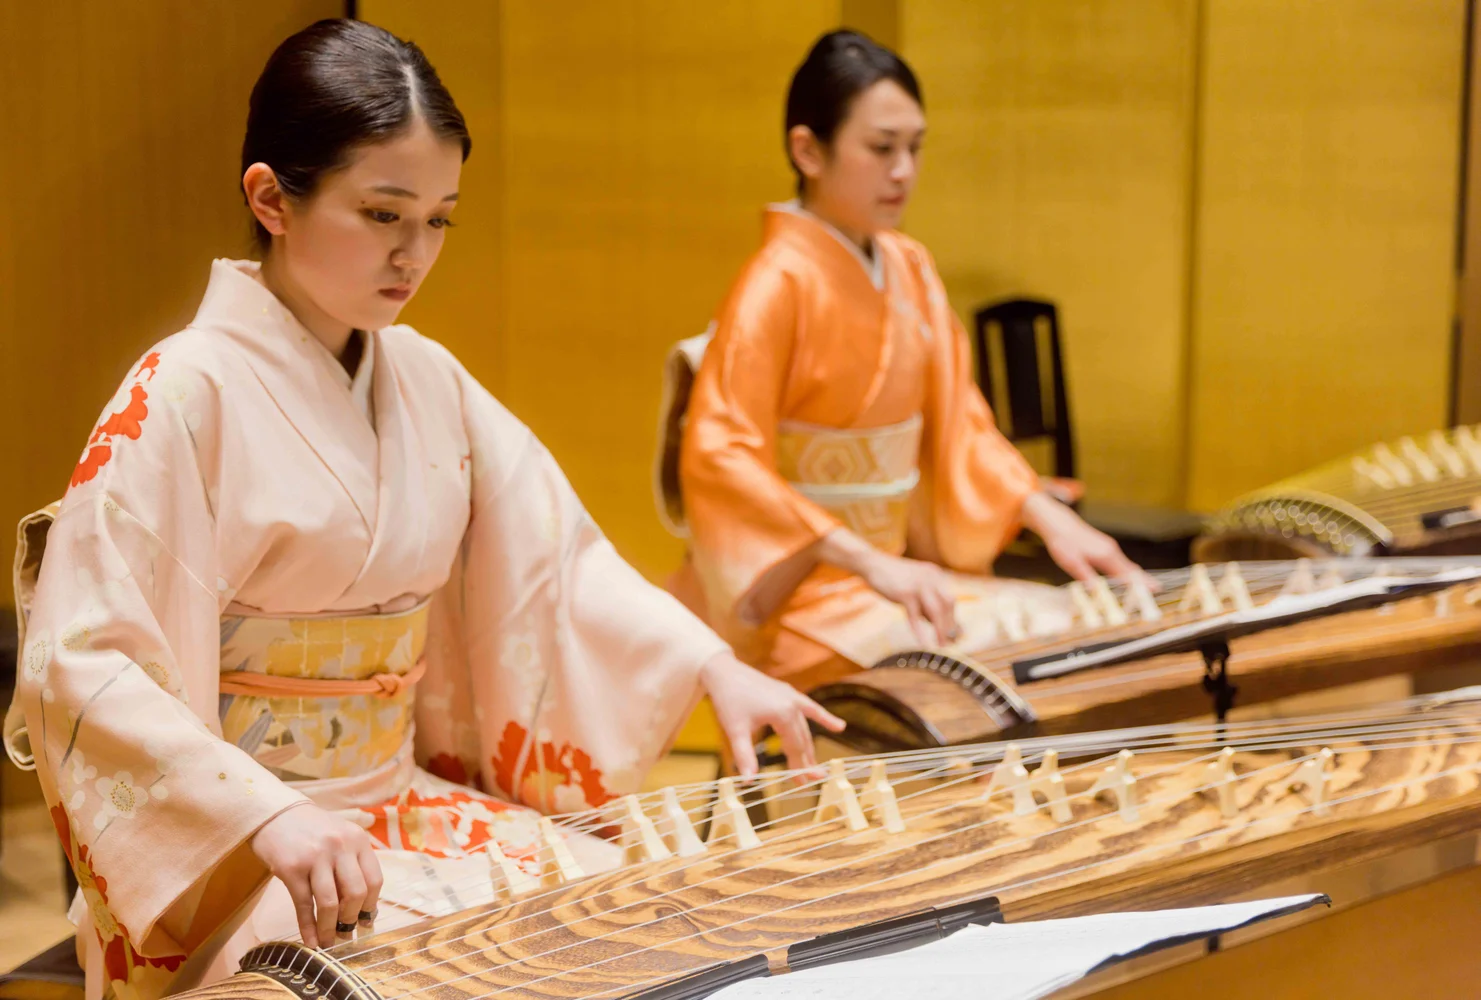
x=840, y=471
x=295, y=516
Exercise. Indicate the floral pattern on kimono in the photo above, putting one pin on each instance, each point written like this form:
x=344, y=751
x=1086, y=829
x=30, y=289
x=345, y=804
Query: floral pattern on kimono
x=243, y=481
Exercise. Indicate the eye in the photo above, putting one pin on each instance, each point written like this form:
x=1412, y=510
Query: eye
x=883, y=150
x=380, y=215
x=441, y=222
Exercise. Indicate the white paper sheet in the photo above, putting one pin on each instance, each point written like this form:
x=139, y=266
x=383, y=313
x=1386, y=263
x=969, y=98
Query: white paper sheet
x=1017, y=961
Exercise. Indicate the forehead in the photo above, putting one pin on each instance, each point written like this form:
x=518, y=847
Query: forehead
x=886, y=105
x=417, y=160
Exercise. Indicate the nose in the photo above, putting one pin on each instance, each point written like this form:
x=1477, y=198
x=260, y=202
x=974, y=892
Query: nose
x=903, y=169
x=411, y=253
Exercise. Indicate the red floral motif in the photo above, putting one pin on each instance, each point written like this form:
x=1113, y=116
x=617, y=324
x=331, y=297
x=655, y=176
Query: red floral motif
x=115, y=957
x=561, y=765
x=64, y=829
x=423, y=823
x=97, y=456
x=127, y=422
x=119, y=956
x=449, y=767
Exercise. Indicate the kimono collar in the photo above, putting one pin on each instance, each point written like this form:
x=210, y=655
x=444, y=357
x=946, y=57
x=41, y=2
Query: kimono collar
x=873, y=268
x=306, y=381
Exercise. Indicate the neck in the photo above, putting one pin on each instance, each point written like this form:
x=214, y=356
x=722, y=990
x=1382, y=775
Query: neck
x=864, y=241
x=334, y=335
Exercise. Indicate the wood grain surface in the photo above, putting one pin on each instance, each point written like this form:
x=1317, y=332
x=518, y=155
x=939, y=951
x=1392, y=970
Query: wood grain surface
x=620, y=933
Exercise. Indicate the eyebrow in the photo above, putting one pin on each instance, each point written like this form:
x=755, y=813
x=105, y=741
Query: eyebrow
x=400, y=192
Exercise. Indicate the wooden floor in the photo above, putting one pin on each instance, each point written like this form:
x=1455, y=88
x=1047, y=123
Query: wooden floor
x=32, y=908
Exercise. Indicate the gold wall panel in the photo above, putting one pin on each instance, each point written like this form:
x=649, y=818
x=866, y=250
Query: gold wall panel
x=122, y=128
x=638, y=143
x=1325, y=234
x=1058, y=166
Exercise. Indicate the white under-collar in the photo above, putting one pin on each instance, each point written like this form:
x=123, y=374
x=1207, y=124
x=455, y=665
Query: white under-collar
x=364, y=378
x=873, y=266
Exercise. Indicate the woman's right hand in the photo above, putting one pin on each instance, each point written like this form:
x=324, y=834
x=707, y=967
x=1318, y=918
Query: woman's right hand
x=328, y=865
x=922, y=589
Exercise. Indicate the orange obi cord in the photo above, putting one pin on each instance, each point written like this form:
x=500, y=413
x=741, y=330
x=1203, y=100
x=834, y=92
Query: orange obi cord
x=269, y=686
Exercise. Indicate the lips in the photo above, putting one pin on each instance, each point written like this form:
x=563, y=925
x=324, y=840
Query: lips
x=397, y=293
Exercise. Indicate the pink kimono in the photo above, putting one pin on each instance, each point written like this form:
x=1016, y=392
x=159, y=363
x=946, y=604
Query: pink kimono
x=247, y=517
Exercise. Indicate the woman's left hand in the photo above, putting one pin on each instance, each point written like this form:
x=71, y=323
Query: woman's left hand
x=746, y=701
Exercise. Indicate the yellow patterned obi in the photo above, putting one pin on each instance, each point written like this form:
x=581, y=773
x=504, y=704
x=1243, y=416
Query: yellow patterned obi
x=317, y=698
x=864, y=477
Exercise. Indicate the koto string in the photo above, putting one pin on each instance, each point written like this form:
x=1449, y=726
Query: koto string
x=1175, y=767
x=1140, y=738
x=1253, y=736
x=1250, y=741
x=871, y=856
x=999, y=889
x=1161, y=737
x=996, y=889
x=1390, y=744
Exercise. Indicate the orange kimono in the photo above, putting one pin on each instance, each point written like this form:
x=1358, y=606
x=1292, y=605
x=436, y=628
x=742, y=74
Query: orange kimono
x=838, y=390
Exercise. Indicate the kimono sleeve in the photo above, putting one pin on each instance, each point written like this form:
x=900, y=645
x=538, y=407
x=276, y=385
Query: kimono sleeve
x=581, y=671
x=748, y=527
x=973, y=481
x=118, y=684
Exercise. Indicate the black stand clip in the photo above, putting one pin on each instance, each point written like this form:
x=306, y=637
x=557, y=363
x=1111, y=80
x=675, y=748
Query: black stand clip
x=1216, y=676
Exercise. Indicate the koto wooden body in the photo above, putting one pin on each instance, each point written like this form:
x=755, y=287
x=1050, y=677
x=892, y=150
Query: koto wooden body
x=1408, y=497
x=892, y=708
x=622, y=933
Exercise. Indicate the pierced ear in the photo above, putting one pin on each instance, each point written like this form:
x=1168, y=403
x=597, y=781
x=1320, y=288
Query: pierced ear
x=265, y=198
x=808, y=153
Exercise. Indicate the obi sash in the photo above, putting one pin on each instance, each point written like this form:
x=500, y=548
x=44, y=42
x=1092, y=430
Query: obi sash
x=862, y=476
x=313, y=699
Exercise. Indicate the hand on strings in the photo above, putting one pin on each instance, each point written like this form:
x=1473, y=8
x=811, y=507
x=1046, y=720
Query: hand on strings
x=1080, y=550
x=328, y=866
x=923, y=589
x=747, y=701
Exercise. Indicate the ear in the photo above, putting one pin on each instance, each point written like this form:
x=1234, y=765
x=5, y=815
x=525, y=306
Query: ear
x=265, y=198
x=808, y=152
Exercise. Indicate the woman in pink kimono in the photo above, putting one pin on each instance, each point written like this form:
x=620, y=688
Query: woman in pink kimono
x=282, y=529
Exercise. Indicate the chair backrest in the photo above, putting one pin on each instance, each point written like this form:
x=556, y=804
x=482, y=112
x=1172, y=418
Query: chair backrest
x=1030, y=406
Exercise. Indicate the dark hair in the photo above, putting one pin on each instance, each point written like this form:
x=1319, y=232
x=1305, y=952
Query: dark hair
x=840, y=67
x=335, y=86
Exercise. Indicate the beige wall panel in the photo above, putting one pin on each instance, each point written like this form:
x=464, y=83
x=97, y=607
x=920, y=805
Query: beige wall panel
x=1325, y=233
x=122, y=126
x=1058, y=166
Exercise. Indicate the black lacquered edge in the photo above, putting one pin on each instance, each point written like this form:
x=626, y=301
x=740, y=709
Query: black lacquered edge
x=307, y=973
x=698, y=985
x=894, y=934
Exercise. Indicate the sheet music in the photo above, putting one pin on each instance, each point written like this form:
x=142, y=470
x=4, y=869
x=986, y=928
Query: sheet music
x=1018, y=961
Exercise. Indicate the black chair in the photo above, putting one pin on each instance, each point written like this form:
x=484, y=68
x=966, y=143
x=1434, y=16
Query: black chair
x=1028, y=341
